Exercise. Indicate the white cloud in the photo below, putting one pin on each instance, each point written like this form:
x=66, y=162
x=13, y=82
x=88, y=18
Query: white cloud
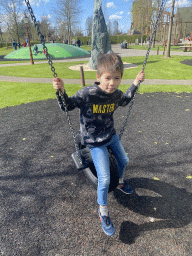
x=110, y=5
x=37, y=2
x=47, y=17
x=115, y=17
x=120, y=13
x=178, y=3
x=182, y=3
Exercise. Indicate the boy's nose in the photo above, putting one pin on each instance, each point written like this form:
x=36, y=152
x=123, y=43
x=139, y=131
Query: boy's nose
x=111, y=82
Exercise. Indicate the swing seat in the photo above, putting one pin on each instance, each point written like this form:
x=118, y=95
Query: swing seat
x=82, y=158
x=83, y=161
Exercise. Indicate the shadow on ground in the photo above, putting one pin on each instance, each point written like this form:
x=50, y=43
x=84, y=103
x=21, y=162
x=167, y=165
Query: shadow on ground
x=169, y=204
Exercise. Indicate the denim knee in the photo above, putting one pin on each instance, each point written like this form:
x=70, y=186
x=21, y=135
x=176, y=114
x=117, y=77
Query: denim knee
x=104, y=182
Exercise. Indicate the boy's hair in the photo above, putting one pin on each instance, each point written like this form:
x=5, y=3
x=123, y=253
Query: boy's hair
x=110, y=62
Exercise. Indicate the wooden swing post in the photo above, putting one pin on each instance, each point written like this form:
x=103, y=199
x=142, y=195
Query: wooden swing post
x=82, y=76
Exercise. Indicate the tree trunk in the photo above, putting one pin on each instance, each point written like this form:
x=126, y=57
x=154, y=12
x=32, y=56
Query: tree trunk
x=170, y=30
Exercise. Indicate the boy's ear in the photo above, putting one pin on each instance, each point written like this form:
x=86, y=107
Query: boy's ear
x=98, y=77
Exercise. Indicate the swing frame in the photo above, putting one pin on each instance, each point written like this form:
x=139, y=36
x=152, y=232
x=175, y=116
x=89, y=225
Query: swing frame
x=82, y=156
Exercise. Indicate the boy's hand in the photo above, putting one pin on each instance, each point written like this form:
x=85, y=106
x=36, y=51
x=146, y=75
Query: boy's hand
x=140, y=77
x=58, y=84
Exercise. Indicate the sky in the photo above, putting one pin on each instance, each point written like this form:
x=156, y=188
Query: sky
x=113, y=9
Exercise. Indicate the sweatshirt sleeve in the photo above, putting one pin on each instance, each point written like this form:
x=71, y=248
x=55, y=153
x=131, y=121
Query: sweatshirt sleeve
x=73, y=102
x=128, y=96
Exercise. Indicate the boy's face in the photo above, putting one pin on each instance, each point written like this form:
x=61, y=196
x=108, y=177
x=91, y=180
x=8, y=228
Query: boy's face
x=109, y=82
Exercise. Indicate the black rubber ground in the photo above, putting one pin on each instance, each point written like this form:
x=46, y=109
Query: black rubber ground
x=48, y=208
x=187, y=62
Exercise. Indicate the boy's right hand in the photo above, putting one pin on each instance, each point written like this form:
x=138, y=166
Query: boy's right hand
x=58, y=84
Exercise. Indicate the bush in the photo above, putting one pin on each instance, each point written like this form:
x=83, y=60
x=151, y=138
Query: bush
x=5, y=45
x=118, y=39
x=130, y=39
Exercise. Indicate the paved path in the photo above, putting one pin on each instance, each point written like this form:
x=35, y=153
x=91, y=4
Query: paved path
x=90, y=81
x=115, y=48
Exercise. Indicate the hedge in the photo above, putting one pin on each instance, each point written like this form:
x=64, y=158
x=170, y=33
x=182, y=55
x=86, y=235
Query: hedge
x=116, y=39
x=84, y=39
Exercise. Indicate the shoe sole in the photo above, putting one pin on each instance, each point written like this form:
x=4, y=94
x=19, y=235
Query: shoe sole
x=125, y=192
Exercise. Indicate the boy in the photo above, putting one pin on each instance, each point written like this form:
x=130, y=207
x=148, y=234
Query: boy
x=97, y=104
x=35, y=48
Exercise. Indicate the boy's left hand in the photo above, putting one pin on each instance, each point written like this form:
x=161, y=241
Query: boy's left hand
x=139, y=78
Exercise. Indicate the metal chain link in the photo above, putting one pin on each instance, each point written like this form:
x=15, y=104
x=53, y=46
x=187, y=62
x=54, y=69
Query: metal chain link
x=54, y=74
x=144, y=64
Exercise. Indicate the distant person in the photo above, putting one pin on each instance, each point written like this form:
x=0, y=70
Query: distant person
x=14, y=44
x=44, y=51
x=24, y=44
x=19, y=45
x=35, y=48
x=78, y=42
x=73, y=42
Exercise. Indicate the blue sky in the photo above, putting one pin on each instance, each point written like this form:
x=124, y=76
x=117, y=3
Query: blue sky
x=113, y=9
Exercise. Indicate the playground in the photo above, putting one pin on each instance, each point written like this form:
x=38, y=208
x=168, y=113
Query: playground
x=44, y=197
x=48, y=207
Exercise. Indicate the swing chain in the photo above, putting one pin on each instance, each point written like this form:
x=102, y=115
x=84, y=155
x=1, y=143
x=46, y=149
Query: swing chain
x=153, y=34
x=54, y=74
x=144, y=64
x=70, y=123
x=41, y=37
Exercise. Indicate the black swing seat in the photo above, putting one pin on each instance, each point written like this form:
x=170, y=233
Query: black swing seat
x=83, y=161
x=82, y=158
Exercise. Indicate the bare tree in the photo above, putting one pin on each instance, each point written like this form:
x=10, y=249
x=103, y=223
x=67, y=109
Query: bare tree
x=13, y=10
x=109, y=27
x=68, y=11
x=45, y=27
x=115, y=27
x=88, y=24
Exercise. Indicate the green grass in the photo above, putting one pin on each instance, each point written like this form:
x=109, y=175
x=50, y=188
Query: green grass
x=6, y=50
x=157, y=67
x=161, y=88
x=139, y=47
x=13, y=94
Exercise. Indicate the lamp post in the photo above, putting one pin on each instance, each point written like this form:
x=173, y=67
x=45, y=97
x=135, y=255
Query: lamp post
x=26, y=21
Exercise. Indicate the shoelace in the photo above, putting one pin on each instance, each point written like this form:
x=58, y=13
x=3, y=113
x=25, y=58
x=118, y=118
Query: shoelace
x=106, y=219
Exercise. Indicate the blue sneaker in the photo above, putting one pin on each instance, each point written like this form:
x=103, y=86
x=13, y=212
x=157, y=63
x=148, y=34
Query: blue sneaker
x=107, y=225
x=125, y=188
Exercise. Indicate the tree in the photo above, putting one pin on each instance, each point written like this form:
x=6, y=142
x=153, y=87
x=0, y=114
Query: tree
x=88, y=25
x=109, y=27
x=144, y=15
x=13, y=10
x=170, y=29
x=44, y=27
x=115, y=27
x=68, y=11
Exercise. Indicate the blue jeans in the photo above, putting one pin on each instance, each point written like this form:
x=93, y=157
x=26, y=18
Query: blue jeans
x=101, y=162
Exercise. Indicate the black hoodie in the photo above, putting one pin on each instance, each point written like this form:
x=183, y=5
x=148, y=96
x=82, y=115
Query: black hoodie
x=96, y=111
